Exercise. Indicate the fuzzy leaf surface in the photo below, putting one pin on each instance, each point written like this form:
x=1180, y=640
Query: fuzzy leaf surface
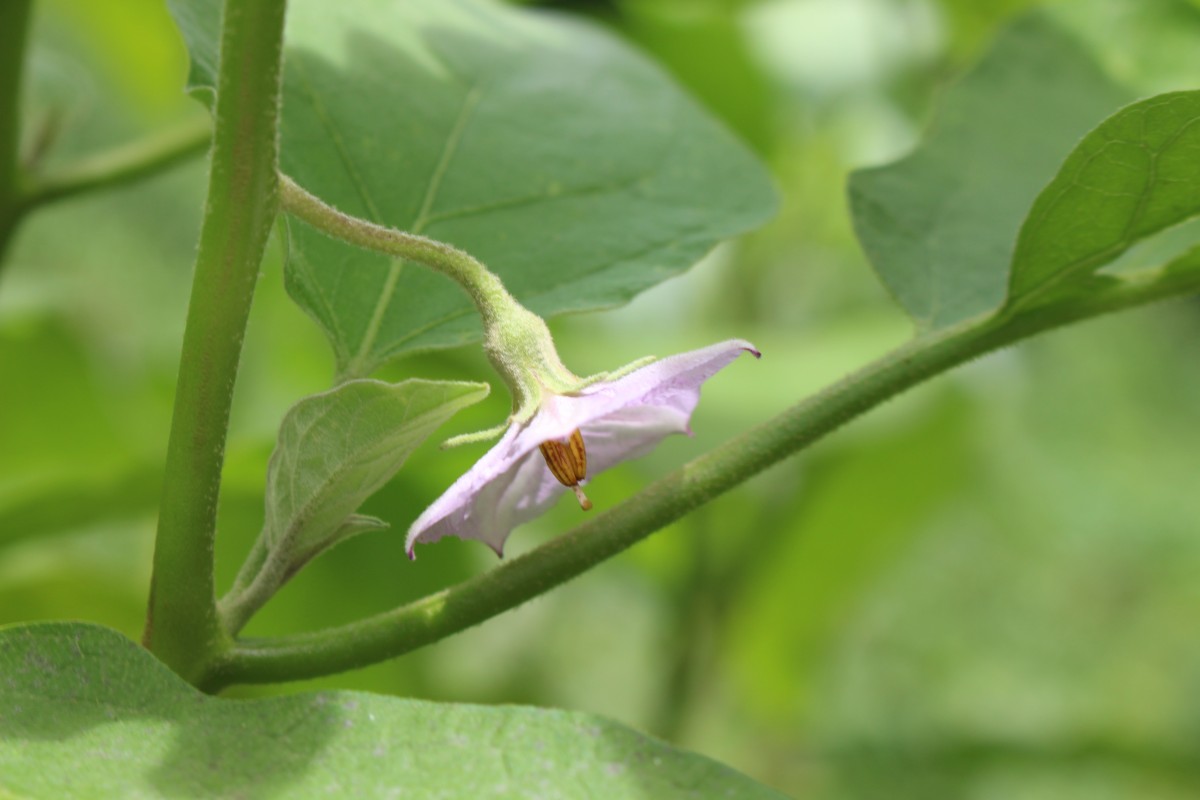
x=542, y=145
x=86, y=713
x=337, y=448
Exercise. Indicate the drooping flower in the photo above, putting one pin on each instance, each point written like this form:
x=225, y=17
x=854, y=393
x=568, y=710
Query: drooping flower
x=566, y=437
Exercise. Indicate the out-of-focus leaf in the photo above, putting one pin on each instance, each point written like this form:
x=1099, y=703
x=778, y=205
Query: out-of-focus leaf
x=971, y=23
x=85, y=712
x=1043, y=617
x=53, y=417
x=1134, y=175
x=857, y=514
x=704, y=45
x=1149, y=44
x=75, y=504
x=543, y=146
x=96, y=573
x=940, y=225
x=129, y=44
x=337, y=448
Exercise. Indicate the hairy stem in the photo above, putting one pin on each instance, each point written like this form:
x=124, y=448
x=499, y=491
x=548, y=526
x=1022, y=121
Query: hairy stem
x=439, y=615
x=182, y=626
x=251, y=567
x=122, y=164
x=260, y=577
x=14, y=30
x=484, y=287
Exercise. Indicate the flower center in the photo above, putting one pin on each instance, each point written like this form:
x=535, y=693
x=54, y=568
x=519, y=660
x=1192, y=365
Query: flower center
x=568, y=462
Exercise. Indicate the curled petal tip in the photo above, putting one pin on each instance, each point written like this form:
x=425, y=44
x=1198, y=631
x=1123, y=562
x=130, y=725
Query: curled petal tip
x=412, y=556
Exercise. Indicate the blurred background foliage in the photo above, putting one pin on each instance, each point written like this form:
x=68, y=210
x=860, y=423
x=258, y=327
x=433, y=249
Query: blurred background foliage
x=985, y=589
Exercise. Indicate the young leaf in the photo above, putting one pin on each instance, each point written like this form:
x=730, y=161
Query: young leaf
x=337, y=448
x=85, y=712
x=940, y=225
x=1134, y=175
x=540, y=144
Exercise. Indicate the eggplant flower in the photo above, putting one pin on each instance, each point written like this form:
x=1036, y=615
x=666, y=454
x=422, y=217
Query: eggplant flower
x=562, y=434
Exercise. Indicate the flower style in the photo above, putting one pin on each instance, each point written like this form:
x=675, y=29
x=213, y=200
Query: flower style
x=564, y=434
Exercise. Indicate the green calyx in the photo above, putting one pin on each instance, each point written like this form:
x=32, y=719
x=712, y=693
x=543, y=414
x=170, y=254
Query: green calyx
x=520, y=347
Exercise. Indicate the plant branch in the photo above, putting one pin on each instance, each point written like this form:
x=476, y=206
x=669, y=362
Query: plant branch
x=182, y=626
x=122, y=164
x=424, y=621
x=14, y=30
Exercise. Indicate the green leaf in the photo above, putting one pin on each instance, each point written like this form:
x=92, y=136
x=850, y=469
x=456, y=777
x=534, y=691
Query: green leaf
x=1134, y=175
x=540, y=144
x=705, y=45
x=337, y=448
x=940, y=225
x=86, y=713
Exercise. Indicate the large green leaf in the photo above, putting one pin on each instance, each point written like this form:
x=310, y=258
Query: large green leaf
x=1134, y=175
x=337, y=448
x=542, y=145
x=86, y=713
x=941, y=225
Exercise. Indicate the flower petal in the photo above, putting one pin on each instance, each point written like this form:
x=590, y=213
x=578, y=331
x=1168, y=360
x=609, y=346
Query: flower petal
x=619, y=420
x=629, y=433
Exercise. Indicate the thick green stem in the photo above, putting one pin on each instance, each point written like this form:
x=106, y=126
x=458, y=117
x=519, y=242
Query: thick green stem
x=432, y=618
x=182, y=626
x=14, y=30
x=122, y=164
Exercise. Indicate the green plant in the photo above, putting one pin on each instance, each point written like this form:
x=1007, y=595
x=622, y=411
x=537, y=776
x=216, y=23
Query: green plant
x=379, y=139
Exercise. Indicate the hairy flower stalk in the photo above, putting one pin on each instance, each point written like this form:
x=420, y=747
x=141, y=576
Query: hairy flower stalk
x=563, y=427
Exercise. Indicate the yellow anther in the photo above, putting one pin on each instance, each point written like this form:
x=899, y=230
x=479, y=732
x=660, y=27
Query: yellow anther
x=568, y=463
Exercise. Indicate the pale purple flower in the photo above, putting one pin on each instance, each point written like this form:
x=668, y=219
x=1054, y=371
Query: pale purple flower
x=618, y=419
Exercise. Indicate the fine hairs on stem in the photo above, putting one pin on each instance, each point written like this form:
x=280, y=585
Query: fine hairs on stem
x=182, y=625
